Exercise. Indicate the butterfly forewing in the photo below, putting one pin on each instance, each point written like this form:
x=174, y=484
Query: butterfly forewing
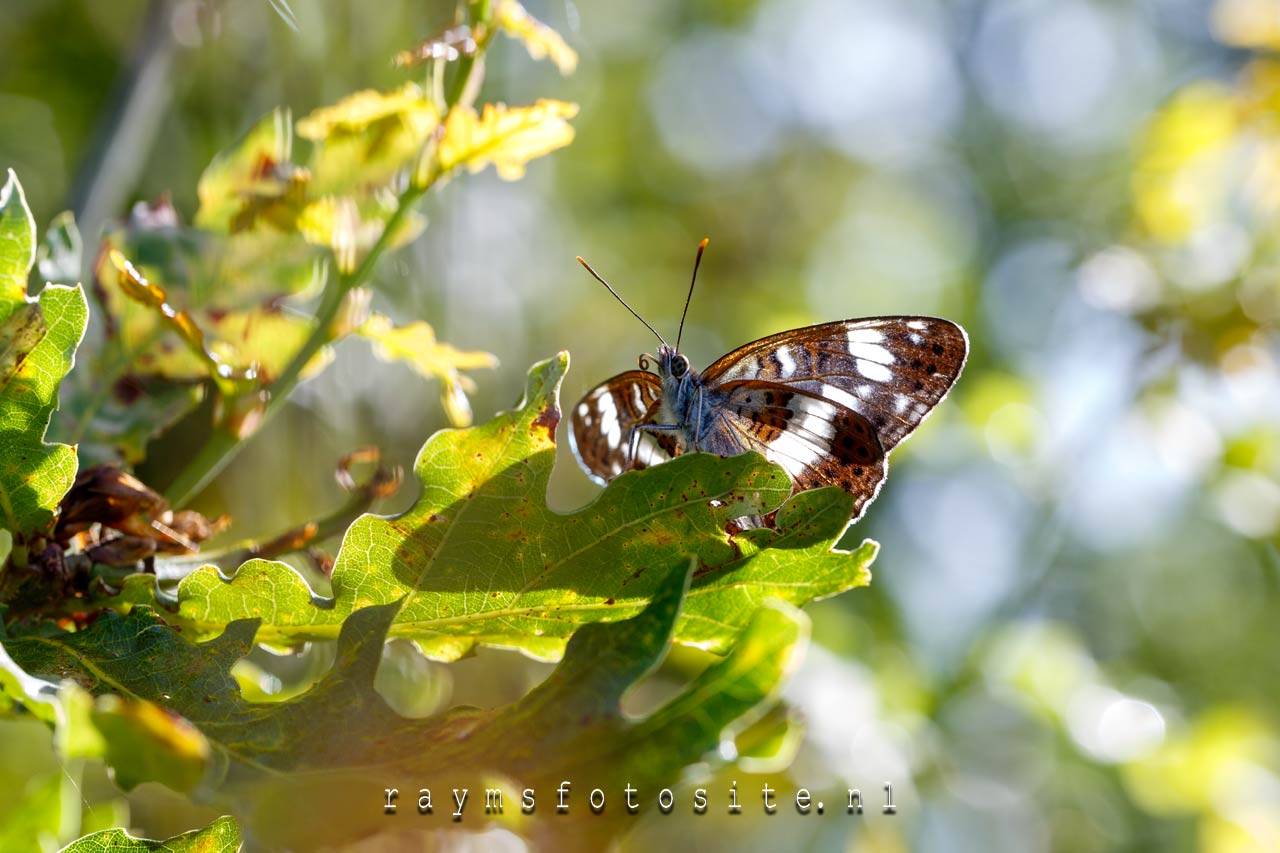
x=602, y=423
x=890, y=370
x=825, y=402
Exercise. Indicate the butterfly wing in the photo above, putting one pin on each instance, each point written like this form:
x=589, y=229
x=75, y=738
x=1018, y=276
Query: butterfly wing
x=818, y=442
x=602, y=423
x=890, y=370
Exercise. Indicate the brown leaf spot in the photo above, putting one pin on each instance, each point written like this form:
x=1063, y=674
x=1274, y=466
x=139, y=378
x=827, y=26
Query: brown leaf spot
x=548, y=419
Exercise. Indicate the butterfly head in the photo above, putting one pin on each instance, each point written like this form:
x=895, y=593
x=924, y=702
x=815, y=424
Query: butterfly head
x=669, y=363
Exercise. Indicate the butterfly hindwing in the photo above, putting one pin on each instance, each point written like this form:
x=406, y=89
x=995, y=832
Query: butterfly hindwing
x=890, y=370
x=603, y=420
x=826, y=402
x=818, y=442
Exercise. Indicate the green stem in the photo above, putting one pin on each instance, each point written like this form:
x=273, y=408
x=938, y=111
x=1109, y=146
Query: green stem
x=480, y=12
x=223, y=445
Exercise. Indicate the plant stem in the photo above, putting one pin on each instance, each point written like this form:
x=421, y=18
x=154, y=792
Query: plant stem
x=479, y=12
x=224, y=443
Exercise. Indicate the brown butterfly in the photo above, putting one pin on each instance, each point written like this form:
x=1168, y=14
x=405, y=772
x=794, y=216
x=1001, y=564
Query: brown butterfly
x=826, y=402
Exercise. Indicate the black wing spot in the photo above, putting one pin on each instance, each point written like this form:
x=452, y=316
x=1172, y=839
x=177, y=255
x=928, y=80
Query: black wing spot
x=937, y=349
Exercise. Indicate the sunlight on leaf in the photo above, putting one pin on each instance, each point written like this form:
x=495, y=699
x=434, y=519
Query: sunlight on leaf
x=254, y=181
x=232, y=346
x=349, y=228
x=298, y=771
x=360, y=111
x=17, y=245
x=365, y=138
x=132, y=284
x=415, y=344
x=506, y=137
x=481, y=558
x=539, y=39
x=38, y=341
x=221, y=836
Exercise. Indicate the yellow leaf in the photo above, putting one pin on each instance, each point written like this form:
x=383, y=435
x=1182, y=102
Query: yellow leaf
x=539, y=39
x=333, y=222
x=507, y=137
x=416, y=345
x=366, y=138
x=350, y=227
x=253, y=181
x=361, y=110
x=238, y=349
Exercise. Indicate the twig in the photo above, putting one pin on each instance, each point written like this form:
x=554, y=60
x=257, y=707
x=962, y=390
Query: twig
x=223, y=444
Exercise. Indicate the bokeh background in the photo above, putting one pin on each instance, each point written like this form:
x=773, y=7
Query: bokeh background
x=1071, y=639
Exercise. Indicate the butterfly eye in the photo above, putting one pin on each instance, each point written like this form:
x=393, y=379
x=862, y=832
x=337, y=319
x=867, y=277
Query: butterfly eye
x=679, y=366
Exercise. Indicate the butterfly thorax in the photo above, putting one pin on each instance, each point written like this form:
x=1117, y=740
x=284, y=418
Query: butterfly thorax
x=681, y=388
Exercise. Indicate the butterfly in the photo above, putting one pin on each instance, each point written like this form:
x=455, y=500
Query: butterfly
x=826, y=402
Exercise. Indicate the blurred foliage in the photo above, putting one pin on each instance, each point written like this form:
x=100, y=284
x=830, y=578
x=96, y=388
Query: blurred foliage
x=1070, y=642
x=274, y=764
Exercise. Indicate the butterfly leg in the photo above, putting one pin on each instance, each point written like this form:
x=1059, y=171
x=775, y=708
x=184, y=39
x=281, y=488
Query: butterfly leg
x=633, y=439
x=697, y=430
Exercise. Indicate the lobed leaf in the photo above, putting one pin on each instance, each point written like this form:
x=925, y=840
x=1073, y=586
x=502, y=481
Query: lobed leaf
x=505, y=137
x=38, y=341
x=312, y=770
x=539, y=39
x=481, y=558
x=367, y=137
x=17, y=245
x=221, y=836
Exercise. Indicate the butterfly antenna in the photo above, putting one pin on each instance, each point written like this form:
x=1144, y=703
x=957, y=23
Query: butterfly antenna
x=597, y=277
x=702, y=247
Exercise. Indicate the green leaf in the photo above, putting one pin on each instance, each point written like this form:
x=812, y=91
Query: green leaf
x=311, y=770
x=17, y=245
x=37, y=696
x=37, y=348
x=221, y=836
x=481, y=558
x=143, y=742
x=42, y=799
x=142, y=379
